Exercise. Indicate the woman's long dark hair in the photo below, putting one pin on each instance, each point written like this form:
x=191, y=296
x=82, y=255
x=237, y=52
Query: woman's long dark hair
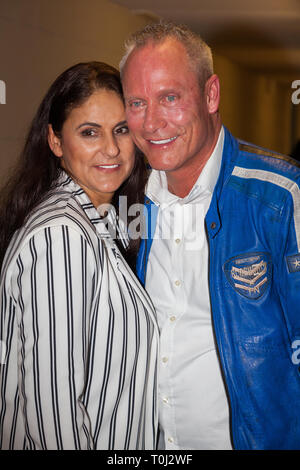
x=38, y=168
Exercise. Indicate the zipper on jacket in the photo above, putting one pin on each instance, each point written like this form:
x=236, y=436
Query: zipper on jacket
x=222, y=367
x=145, y=261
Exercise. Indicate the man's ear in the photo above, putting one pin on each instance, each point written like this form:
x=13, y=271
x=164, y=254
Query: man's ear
x=54, y=142
x=212, y=89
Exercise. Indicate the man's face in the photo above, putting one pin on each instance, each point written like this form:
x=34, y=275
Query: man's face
x=166, y=111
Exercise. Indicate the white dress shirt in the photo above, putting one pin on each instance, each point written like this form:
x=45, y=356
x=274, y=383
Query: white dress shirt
x=80, y=333
x=193, y=407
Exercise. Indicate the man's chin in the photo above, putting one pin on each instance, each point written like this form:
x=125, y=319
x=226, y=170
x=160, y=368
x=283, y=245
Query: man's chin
x=162, y=166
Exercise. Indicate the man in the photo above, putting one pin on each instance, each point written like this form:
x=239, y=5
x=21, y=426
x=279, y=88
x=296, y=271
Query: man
x=227, y=297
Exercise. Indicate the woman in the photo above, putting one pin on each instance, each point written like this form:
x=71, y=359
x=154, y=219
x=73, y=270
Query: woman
x=79, y=331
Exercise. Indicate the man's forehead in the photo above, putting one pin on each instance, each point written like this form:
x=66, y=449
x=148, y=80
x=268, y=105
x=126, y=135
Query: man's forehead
x=163, y=61
x=158, y=49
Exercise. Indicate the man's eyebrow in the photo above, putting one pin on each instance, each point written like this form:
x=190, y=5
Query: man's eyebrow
x=174, y=90
x=128, y=98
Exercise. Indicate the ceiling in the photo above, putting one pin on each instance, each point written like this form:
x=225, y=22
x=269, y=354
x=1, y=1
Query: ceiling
x=261, y=34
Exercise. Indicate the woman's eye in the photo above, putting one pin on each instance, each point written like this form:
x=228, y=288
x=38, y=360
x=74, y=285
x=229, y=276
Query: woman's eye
x=88, y=133
x=122, y=130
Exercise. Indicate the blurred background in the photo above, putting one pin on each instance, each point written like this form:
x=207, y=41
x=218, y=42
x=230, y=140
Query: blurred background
x=256, y=45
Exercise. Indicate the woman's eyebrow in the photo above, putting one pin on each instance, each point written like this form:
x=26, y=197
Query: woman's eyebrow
x=94, y=124
x=121, y=123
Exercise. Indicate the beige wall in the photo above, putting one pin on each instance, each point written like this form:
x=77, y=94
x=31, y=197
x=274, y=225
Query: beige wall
x=41, y=38
x=255, y=107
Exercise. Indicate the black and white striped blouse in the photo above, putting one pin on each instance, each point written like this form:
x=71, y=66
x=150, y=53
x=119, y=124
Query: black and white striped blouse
x=80, y=335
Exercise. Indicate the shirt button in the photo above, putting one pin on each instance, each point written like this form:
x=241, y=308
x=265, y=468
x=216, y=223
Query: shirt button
x=213, y=225
x=165, y=359
x=173, y=318
x=177, y=283
x=171, y=440
x=165, y=400
x=177, y=240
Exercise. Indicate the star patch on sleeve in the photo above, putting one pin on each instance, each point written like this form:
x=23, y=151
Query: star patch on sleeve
x=293, y=263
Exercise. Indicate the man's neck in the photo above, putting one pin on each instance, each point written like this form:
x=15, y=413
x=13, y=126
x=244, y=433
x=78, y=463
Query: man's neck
x=180, y=183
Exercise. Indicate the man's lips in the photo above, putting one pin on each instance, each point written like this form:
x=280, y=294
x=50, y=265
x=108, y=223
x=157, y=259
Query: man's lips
x=162, y=141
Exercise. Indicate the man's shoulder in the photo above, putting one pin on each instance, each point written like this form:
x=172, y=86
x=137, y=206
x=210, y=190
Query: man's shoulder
x=264, y=175
x=255, y=157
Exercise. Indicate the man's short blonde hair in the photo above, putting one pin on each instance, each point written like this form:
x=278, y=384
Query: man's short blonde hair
x=198, y=52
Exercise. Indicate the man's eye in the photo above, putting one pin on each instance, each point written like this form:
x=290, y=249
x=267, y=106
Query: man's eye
x=135, y=104
x=170, y=98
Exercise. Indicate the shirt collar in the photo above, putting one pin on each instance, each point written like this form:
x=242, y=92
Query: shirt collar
x=106, y=226
x=157, y=187
x=70, y=185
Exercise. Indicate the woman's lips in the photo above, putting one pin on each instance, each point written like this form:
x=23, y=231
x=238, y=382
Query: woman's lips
x=108, y=168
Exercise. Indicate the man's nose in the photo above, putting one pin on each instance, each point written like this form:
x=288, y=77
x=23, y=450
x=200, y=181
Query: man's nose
x=153, y=119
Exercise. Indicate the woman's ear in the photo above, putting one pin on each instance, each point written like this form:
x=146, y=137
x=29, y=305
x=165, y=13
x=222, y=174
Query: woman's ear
x=54, y=142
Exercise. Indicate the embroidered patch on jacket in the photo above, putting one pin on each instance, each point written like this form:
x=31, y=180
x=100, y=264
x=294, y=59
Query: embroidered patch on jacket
x=293, y=263
x=249, y=274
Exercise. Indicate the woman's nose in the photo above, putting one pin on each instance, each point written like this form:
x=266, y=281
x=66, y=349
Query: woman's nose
x=110, y=146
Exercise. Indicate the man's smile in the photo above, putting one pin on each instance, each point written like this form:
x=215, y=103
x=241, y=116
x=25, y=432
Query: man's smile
x=163, y=141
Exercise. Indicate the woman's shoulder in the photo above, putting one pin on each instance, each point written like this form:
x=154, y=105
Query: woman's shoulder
x=61, y=207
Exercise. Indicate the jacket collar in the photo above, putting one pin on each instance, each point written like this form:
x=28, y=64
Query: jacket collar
x=230, y=153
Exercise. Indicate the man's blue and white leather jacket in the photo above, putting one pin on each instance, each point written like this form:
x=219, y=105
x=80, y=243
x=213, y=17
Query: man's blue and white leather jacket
x=253, y=228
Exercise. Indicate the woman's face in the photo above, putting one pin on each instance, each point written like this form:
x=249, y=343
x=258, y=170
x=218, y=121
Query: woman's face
x=95, y=146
